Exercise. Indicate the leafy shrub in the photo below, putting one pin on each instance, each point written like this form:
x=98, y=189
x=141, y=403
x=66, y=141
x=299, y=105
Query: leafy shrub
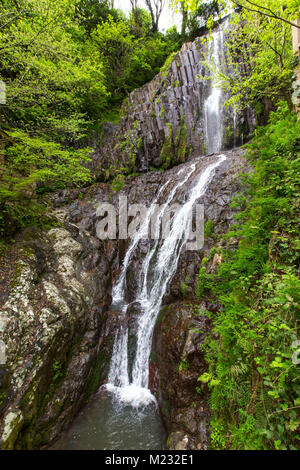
x=34, y=166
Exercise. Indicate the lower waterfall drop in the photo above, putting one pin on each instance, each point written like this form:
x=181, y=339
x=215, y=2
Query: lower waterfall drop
x=124, y=415
x=154, y=280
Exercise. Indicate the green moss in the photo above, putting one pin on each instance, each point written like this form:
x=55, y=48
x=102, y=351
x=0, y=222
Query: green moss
x=184, y=289
x=28, y=253
x=174, y=150
x=95, y=376
x=58, y=369
x=209, y=229
x=118, y=183
x=3, y=396
x=165, y=68
x=184, y=365
x=167, y=150
x=131, y=144
x=17, y=275
x=181, y=144
x=16, y=426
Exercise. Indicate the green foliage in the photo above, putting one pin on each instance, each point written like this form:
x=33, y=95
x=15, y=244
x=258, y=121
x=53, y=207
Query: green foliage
x=167, y=151
x=51, y=82
x=181, y=143
x=254, y=383
x=34, y=166
x=91, y=13
x=67, y=64
x=113, y=45
x=118, y=183
x=259, y=56
x=184, y=289
x=199, y=17
x=164, y=70
x=58, y=371
x=209, y=228
x=204, y=280
x=184, y=365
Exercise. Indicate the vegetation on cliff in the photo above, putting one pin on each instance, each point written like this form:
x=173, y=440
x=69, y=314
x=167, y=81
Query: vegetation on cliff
x=67, y=65
x=252, y=355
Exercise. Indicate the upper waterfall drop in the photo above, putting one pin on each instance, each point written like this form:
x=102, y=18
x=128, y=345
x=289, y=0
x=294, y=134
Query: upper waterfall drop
x=154, y=277
x=213, y=115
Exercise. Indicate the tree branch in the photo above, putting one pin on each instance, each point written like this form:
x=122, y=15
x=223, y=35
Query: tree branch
x=269, y=15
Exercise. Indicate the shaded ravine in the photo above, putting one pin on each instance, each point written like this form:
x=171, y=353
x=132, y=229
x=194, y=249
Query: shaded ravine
x=124, y=415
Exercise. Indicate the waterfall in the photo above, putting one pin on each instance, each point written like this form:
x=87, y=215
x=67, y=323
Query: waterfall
x=156, y=272
x=213, y=115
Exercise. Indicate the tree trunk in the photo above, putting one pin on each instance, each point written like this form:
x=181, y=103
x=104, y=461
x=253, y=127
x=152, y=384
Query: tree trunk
x=296, y=48
x=184, y=20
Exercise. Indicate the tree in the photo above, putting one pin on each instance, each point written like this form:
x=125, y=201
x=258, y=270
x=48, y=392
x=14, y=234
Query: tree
x=155, y=8
x=140, y=23
x=198, y=19
x=185, y=9
x=42, y=59
x=112, y=44
x=134, y=6
x=93, y=12
x=260, y=57
x=268, y=8
x=54, y=91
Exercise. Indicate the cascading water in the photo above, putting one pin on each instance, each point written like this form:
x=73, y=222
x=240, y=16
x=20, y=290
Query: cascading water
x=154, y=279
x=213, y=116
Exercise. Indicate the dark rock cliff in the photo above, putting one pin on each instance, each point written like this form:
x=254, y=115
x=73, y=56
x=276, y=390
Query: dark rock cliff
x=55, y=293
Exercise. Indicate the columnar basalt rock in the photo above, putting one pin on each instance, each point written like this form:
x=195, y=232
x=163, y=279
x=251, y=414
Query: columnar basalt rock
x=163, y=122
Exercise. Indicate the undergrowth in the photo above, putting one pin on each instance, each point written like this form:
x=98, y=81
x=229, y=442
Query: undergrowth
x=252, y=354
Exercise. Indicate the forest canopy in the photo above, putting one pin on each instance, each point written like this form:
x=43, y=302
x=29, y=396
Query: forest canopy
x=69, y=64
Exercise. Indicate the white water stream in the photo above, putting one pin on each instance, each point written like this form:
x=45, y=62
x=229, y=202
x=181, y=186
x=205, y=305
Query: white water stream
x=157, y=270
x=214, y=117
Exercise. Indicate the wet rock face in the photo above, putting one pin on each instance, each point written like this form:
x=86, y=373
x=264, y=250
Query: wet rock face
x=178, y=356
x=57, y=322
x=52, y=322
x=163, y=122
x=178, y=342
